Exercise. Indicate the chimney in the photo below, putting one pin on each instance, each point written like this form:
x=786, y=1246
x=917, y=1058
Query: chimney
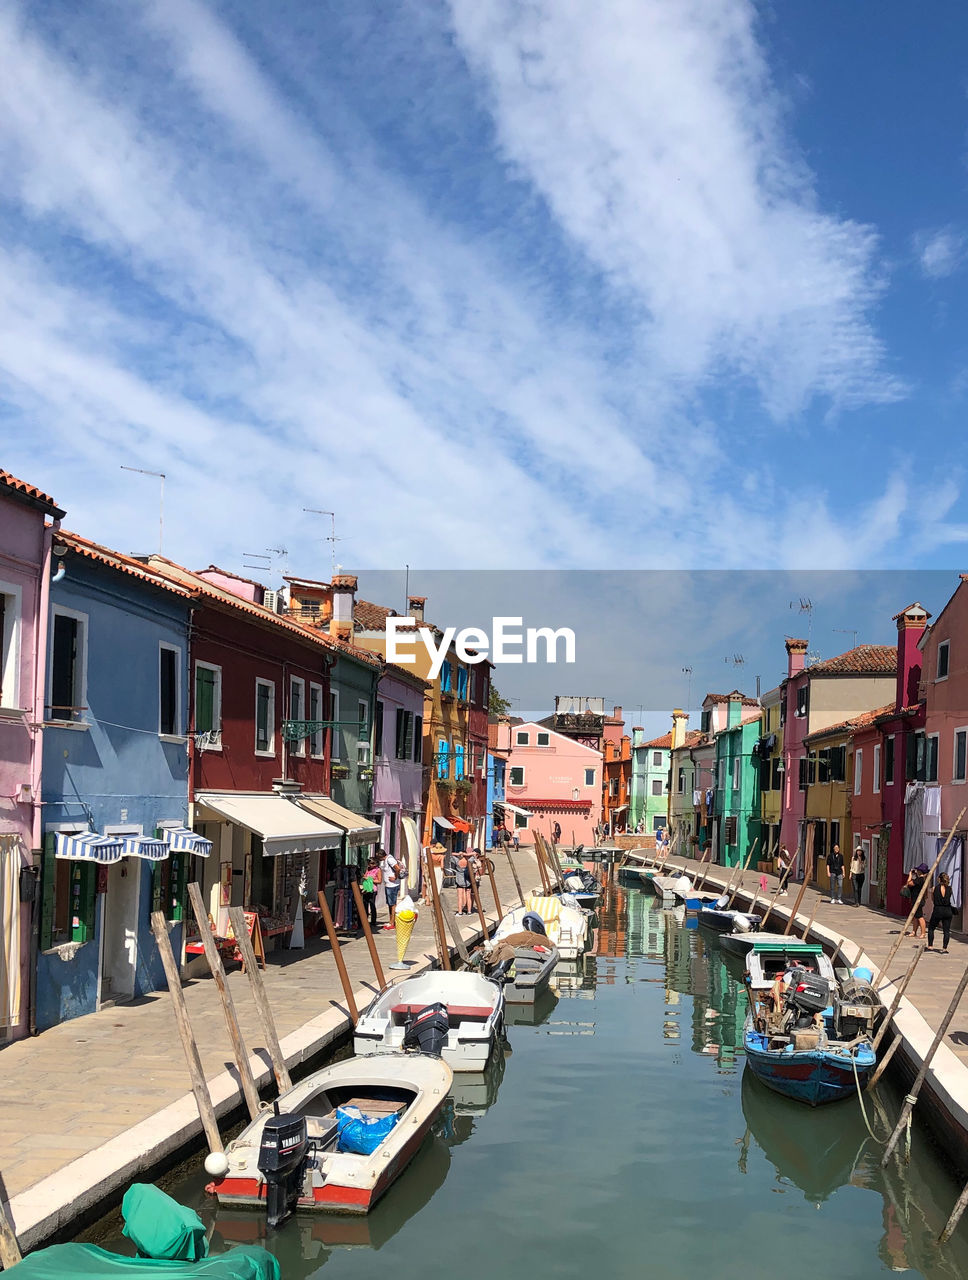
x=679, y=721
x=734, y=712
x=638, y=735
x=415, y=607
x=344, y=598
x=911, y=624
x=796, y=656
x=616, y=713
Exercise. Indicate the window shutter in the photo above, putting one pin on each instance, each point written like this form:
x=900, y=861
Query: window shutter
x=83, y=901
x=407, y=753
x=418, y=738
x=48, y=884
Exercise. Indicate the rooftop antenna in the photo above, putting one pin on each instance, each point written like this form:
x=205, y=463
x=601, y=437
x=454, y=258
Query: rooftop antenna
x=848, y=631
x=264, y=568
x=160, y=475
x=737, y=660
x=406, y=590
x=687, y=672
x=332, y=538
x=805, y=605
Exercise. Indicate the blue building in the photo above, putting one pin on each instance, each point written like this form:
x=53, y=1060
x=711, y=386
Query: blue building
x=115, y=779
x=496, y=771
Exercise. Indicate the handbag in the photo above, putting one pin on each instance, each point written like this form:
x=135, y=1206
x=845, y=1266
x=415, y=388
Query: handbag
x=906, y=891
x=367, y=885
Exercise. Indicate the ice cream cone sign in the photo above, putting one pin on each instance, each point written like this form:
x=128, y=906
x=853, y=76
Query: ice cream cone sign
x=406, y=918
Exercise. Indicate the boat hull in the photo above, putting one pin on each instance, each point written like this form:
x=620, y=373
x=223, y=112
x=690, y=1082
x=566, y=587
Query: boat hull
x=814, y=1077
x=531, y=980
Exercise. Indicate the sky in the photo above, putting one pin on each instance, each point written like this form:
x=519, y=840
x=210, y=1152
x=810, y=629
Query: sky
x=505, y=284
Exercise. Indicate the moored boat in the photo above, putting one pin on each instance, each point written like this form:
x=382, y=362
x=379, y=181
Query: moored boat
x=738, y=944
x=474, y=1007
x=726, y=920
x=303, y=1157
x=566, y=927
x=523, y=962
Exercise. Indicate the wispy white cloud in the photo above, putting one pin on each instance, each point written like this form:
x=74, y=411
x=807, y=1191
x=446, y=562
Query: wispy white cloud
x=940, y=253
x=202, y=280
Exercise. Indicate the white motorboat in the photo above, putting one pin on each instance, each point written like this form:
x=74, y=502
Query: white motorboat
x=566, y=927
x=723, y=919
x=475, y=1017
x=298, y=1157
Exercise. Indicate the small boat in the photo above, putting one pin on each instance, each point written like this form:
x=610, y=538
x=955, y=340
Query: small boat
x=583, y=886
x=723, y=919
x=566, y=926
x=770, y=955
x=738, y=944
x=303, y=1156
x=171, y=1240
x=807, y=1037
x=523, y=961
x=474, y=1008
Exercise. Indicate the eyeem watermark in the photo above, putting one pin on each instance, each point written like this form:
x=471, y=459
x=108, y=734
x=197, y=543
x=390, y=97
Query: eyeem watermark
x=509, y=641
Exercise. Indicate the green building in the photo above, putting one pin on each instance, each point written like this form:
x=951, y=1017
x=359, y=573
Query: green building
x=736, y=822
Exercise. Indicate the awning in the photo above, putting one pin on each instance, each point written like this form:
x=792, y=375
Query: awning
x=359, y=830
x=462, y=825
x=181, y=840
x=512, y=808
x=284, y=827
x=619, y=808
x=88, y=846
x=442, y=822
x=146, y=847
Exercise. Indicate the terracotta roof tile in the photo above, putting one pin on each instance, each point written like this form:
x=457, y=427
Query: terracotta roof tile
x=26, y=490
x=725, y=697
x=866, y=659
x=661, y=744
x=863, y=720
x=372, y=617
x=123, y=564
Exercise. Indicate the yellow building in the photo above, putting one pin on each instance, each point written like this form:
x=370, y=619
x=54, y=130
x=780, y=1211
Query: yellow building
x=824, y=775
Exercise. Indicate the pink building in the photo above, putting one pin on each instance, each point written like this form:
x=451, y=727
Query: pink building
x=397, y=749
x=553, y=779
x=25, y=555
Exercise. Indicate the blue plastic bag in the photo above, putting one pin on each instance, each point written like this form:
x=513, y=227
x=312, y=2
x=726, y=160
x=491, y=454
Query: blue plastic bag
x=361, y=1134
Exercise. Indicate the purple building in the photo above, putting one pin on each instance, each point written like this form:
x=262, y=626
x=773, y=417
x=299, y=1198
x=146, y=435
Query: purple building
x=398, y=753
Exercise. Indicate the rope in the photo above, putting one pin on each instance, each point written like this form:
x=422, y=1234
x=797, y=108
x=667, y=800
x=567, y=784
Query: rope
x=860, y=1099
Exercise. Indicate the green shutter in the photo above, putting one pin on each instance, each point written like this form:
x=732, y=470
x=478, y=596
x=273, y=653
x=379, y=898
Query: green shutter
x=48, y=883
x=83, y=900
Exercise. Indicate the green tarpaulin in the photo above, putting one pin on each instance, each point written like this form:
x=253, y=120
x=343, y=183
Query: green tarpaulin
x=62, y=1261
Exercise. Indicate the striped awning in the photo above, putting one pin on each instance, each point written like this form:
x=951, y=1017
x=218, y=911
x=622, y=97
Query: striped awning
x=145, y=847
x=182, y=840
x=88, y=846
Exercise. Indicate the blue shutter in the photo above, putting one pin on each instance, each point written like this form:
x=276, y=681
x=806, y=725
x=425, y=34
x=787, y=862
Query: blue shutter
x=458, y=760
x=443, y=763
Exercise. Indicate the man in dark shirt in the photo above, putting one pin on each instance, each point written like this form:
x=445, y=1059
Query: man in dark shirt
x=835, y=870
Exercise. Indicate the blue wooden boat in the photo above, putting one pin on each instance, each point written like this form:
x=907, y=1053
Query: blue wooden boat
x=814, y=1076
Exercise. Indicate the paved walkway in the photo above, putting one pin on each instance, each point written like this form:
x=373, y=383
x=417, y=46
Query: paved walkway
x=935, y=978
x=98, y=1099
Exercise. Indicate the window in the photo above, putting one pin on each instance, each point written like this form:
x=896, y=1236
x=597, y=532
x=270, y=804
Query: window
x=516, y=776
x=68, y=664
x=736, y=765
x=705, y=721
x=923, y=757
x=335, y=734
x=297, y=710
x=931, y=758
x=823, y=764
x=544, y=739
x=858, y=771
x=316, y=715
x=363, y=741
x=681, y=780
x=613, y=788
x=838, y=764
x=776, y=782
x=657, y=757
x=589, y=777
x=959, y=760
x=729, y=829
x=378, y=729
x=835, y=833
x=208, y=700
x=658, y=786
x=446, y=677
x=943, y=660
x=520, y=820
x=404, y=737
x=877, y=767
x=462, y=683
x=265, y=718
x=458, y=760
x=443, y=757
x=168, y=682
x=889, y=760
x=522, y=738
x=802, y=700
x=658, y=822
x=10, y=598
x=472, y=687
x=68, y=897
x=418, y=739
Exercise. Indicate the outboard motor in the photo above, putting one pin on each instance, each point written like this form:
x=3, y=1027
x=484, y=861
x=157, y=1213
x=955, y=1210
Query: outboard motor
x=426, y=1030
x=857, y=1006
x=809, y=994
x=575, y=882
x=282, y=1158
x=533, y=923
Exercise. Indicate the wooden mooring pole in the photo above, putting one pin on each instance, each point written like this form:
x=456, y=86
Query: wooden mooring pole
x=10, y=1253
x=203, y=1099
x=367, y=932
x=882, y=1029
x=813, y=915
x=739, y=882
x=912, y=1097
x=259, y=996
x=514, y=874
x=438, y=914
x=344, y=977
x=477, y=899
x=239, y=1051
x=796, y=905
x=490, y=875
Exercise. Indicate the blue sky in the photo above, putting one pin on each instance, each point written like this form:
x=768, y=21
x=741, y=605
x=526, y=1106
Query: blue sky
x=651, y=283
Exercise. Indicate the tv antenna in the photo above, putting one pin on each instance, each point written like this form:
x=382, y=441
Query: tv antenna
x=159, y=475
x=331, y=538
x=687, y=672
x=265, y=565
x=737, y=660
x=805, y=605
x=848, y=631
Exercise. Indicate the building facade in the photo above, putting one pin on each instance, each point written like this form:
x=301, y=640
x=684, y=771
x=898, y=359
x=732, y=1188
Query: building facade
x=398, y=752
x=553, y=779
x=737, y=804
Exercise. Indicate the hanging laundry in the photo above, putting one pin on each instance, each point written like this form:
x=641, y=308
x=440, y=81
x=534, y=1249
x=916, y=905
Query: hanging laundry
x=932, y=811
x=914, y=826
x=951, y=863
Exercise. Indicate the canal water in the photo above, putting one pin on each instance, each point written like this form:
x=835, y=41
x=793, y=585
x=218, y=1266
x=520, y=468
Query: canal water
x=618, y=1135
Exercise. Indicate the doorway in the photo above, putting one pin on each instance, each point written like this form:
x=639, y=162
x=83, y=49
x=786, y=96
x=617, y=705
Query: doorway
x=119, y=931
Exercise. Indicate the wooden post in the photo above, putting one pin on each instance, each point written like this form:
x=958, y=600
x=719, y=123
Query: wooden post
x=769, y=909
x=490, y=876
x=239, y=1051
x=918, y=900
x=10, y=1253
x=912, y=1096
x=883, y=1064
x=203, y=1099
x=545, y=880
x=438, y=914
x=477, y=899
x=955, y=1218
x=367, y=933
x=244, y=943
x=796, y=905
x=455, y=933
x=739, y=882
x=919, y=952
x=514, y=874
x=344, y=977
x=813, y=916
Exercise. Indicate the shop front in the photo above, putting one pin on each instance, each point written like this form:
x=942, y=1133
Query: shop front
x=340, y=867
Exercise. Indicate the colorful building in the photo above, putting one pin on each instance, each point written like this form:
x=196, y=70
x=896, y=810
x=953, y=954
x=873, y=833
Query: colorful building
x=736, y=820
x=650, y=781
x=498, y=750
x=617, y=766
x=398, y=751
x=552, y=778
x=769, y=753
x=684, y=808
x=29, y=520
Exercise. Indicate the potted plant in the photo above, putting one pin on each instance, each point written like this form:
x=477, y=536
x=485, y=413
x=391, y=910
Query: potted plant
x=465, y=786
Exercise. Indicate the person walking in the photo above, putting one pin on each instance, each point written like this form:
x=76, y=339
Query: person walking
x=835, y=870
x=372, y=877
x=858, y=873
x=392, y=870
x=916, y=878
x=784, y=861
x=941, y=913
x=556, y=833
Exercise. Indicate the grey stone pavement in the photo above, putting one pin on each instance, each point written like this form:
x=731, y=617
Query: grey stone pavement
x=935, y=978
x=69, y=1090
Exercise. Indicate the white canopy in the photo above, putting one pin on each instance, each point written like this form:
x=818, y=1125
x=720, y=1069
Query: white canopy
x=283, y=826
